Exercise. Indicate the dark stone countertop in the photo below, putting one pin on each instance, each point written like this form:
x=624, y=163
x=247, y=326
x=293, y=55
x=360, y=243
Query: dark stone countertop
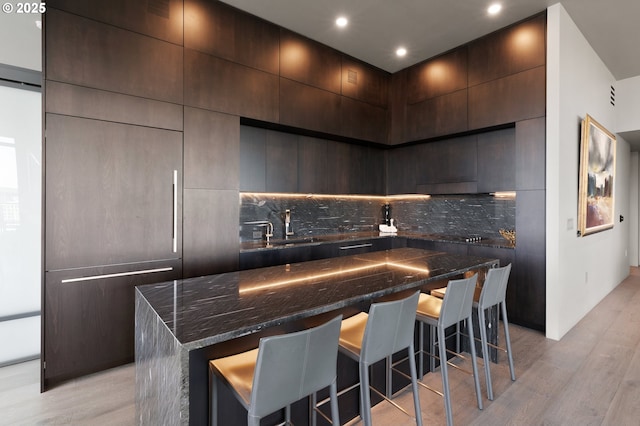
x=206, y=310
x=309, y=240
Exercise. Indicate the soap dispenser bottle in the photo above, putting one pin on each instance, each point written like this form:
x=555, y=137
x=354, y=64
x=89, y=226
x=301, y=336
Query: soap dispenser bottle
x=387, y=214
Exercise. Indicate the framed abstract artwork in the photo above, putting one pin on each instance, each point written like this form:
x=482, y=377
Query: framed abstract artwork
x=597, y=178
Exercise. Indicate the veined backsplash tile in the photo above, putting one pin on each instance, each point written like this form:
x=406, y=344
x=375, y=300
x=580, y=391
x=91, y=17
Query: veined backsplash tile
x=309, y=215
x=453, y=215
x=456, y=215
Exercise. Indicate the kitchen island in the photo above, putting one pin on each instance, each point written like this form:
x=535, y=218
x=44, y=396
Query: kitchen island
x=182, y=324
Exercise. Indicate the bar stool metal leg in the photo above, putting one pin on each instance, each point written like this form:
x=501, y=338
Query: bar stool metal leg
x=505, y=321
x=445, y=374
x=414, y=384
x=485, y=353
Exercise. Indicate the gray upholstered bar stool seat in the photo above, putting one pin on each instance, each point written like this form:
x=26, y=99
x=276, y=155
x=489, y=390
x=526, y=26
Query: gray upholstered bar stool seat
x=493, y=292
x=368, y=338
x=442, y=313
x=282, y=370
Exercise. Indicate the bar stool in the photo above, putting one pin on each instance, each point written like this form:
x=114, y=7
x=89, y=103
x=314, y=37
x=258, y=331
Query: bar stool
x=442, y=313
x=494, y=292
x=368, y=338
x=282, y=370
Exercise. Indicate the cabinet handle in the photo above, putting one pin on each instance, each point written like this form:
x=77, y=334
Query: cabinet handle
x=356, y=246
x=175, y=211
x=118, y=274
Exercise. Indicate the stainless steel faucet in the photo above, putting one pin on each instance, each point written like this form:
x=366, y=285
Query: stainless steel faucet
x=269, y=232
x=287, y=224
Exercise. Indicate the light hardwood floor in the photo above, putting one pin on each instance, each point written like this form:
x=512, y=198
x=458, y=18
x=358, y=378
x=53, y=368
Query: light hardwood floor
x=590, y=377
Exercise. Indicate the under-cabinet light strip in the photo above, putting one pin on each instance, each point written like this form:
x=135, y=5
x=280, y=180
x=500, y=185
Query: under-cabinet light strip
x=119, y=274
x=353, y=197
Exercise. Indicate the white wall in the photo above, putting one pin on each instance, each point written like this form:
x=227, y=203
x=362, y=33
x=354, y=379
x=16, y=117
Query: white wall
x=580, y=271
x=628, y=104
x=634, y=187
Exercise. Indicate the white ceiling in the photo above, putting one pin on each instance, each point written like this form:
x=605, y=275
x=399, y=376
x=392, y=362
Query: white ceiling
x=430, y=27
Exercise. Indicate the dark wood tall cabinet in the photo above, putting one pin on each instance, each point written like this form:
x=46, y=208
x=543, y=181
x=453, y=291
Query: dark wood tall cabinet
x=113, y=178
x=113, y=208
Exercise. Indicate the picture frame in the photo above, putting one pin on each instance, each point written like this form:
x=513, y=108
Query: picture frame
x=596, y=204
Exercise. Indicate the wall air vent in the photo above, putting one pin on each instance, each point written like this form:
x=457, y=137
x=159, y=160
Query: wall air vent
x=612, y=96
x=352, y=76
x=159, y=7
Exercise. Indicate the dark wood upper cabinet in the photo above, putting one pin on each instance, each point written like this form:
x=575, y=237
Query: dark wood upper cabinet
x=363, y=121
x=312, y=165
x=220, y=30
x=211, y=150
x=77, y=101
x=397, y=113
x=338, y=163
x=160, y=19
x=448, y=161
x=439, y=76
x=282, y=162
x=496, y=160
x=224, y=86
x=403, y=163
x=309, y=62
x=364, y=82
x=517, y=97
x=443, y=115
x=309, y=108
x=508, y=51
x=125, y=62
x=366, y=170
x=253, y=157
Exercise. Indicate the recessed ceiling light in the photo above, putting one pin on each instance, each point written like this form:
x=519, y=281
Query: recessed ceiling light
x=401, y=51
x=342, y=21
x=494, y=9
